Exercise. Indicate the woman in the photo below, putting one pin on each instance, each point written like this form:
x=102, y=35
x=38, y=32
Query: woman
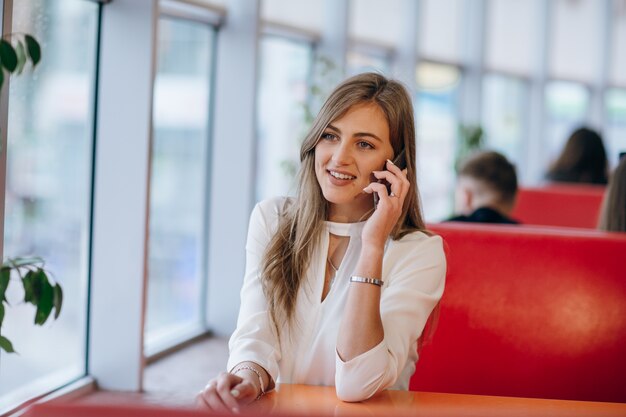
x=583, y=159
x=336, y=291
x=613, y=213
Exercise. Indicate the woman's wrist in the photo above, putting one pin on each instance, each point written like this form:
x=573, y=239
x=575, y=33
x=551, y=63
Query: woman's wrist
x=247, y=374
x=256, y=374
x=371, y=250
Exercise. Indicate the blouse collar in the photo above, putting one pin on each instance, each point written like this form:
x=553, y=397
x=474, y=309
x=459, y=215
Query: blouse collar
x=344, y=229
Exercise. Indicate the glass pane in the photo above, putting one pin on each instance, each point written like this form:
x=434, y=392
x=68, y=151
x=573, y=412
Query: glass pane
x=282, y=120
x=567, y=105
x=48, y=196
x=575, y=39
x=511, y=26
x=618, y=43
x=615, y=139
x=219, y=3
x=504, y=115
x=359, y=62
x=437, y=129
x=304, y=14
x=376, y=21
x=441, y=25
x=178, y=183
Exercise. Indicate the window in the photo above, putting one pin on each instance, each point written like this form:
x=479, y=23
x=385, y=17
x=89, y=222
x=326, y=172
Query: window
x=303, y=14
x=178, y=185
x=615, y=131
x=567, y=105
x=504, y=116
x=575, y=39
x=282, y=118
x=441, y=28
x=376, y=22
x=511, y=24
x=437, y=129
x=48, y=192
x=359, y=62
x=618, y=44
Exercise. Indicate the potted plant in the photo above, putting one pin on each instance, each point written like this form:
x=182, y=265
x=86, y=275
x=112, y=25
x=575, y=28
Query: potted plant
x=16, y=50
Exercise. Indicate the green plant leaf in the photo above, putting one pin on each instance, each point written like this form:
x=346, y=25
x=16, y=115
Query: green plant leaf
x=20, y=50
x=29, y=288
x=1, y=313
x=6, y=345
x=5, y=277
x=34, y=50
x=46, y=297
x=8, y=56
x=58, y=300
x=1, y=77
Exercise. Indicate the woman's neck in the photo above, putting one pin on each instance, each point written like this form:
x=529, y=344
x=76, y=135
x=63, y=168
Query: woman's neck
x=348, y=213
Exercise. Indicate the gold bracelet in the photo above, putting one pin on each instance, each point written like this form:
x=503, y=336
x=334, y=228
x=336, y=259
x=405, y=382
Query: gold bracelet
x=375, y=281
x=249, y=368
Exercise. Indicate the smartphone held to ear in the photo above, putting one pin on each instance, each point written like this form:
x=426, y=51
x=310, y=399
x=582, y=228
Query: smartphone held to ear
x=400, y=162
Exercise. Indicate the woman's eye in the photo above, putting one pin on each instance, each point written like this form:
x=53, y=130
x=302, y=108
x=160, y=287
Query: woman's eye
x=328, y=136
x=365, y=145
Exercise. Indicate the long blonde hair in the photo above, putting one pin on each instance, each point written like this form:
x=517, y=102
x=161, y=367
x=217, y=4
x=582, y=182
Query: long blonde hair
x=301, y=220
x=613, y=212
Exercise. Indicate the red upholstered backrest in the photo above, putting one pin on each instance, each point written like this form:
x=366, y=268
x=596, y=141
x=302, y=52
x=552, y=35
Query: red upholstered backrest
x=559, y=205
x=529, y=312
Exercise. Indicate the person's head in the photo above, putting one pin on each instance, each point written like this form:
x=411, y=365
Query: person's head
x=366, y=120
x=613, y=213
x=583, y=159
x=486, y=179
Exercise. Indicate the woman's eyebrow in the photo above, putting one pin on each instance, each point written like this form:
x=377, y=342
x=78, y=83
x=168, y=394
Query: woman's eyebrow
x=371, y=135
x=331, y=127
x=358, y=135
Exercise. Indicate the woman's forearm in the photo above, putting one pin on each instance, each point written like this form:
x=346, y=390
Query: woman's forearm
x=361, y=326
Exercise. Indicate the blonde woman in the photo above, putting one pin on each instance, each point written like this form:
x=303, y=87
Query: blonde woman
x=337, y=290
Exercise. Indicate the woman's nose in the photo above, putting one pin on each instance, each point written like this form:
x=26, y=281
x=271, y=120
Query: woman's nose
x=342, y=154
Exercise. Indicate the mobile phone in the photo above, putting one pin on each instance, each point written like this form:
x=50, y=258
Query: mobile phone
x=400, y=162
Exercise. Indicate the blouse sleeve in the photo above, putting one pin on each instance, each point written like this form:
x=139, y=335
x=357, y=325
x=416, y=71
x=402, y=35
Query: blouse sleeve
x=414, y=285
x=253, y=339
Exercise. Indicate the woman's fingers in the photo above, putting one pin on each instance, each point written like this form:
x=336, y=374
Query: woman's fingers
x=227, y=394
x=246, y=392
x=209, y=398
x=219, y=394
x=380, y=190
x=399, y=183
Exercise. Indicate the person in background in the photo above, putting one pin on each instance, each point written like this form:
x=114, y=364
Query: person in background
x=583, y=159
x=339, y=285
x=486, y=189
x=613, y=213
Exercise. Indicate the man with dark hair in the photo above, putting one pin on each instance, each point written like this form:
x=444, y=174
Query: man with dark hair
x=486, y=189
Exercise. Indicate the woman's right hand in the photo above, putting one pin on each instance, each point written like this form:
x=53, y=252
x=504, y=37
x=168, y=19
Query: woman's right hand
x=228, y=392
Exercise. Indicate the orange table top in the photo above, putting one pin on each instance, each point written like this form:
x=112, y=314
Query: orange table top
x=305, y=400
x=322, y=401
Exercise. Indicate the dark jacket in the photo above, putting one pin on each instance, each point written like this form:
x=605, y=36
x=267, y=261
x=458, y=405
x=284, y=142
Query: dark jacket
x=484, y=215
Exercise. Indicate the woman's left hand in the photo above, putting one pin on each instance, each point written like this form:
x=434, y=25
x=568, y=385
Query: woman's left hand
x=389, y=208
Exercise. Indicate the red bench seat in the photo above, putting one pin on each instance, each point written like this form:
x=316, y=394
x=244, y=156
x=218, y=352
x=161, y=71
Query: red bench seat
x=560, y=205
x=530, y=312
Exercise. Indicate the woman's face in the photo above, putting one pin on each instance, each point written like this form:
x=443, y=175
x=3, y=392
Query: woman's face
x=351, y=147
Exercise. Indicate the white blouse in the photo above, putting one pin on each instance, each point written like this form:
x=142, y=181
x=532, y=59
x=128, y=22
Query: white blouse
x=414, y=270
